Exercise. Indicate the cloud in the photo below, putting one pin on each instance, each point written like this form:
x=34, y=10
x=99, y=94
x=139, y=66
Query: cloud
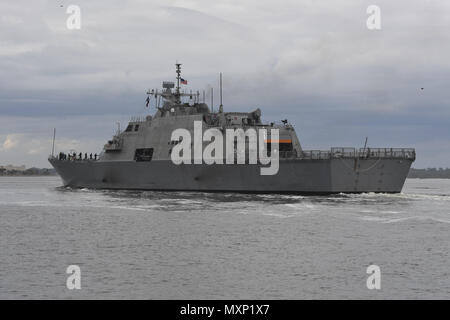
x=15, y=50
x=11, y=141
x=32, y=150
x=314, y=62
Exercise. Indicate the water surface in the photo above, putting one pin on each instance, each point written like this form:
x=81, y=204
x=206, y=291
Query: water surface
x=191, y=245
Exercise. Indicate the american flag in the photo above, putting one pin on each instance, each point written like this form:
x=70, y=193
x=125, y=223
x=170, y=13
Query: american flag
x=183, y=81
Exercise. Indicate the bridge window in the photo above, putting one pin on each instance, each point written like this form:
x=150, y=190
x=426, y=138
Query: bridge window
x=129, y=128
x=144, y=154
x=136, y=128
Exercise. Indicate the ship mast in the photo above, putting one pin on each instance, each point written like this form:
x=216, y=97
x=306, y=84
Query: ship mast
x=177, y=93
x=221, y=105
x=173, y=97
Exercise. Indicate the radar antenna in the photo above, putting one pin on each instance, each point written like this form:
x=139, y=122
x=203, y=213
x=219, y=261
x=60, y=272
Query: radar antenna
x=177, y=94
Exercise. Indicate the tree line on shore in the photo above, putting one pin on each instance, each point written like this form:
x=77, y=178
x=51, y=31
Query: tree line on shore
x=27, y=172
x=429, y=173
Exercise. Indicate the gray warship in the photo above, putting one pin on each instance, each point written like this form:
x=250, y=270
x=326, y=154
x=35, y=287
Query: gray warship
x=139, y=157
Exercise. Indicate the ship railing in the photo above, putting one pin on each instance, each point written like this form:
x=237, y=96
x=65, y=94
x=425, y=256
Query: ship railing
x=401, y=153
x=316, y=154
x=343, y=152
x=138, y=119
x=74, y=157
x=336, y=153
x=288, y=154
x=114, y=145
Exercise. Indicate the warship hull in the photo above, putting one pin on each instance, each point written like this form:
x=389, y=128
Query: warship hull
x=295, y=176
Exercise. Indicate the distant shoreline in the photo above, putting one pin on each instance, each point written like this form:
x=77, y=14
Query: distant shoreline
x=30, y=172
x=429, y=173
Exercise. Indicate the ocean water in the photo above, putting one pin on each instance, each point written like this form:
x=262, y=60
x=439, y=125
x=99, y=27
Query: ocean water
x=190, y=245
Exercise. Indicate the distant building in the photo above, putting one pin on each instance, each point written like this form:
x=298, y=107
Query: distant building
x=10, y=167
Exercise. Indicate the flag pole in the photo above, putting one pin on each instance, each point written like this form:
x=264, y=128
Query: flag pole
x=221, y=105
x=53, y=144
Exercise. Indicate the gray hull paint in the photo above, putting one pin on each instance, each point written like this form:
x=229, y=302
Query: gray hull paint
x=299, y=176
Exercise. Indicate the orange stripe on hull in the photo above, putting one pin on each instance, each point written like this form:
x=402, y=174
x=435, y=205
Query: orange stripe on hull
x=278, y=141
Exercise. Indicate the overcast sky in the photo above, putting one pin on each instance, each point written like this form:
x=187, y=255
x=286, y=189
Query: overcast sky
x=313, y=62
